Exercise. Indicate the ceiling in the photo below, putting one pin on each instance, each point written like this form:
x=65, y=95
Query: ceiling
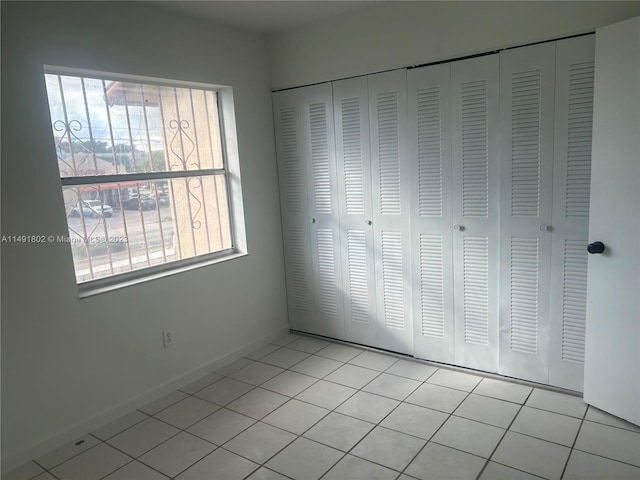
x=264, y=16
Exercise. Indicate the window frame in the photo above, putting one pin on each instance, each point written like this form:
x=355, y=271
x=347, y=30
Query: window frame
x=230, y=171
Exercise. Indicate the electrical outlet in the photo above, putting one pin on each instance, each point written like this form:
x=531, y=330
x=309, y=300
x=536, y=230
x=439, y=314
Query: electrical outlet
x=167, y=338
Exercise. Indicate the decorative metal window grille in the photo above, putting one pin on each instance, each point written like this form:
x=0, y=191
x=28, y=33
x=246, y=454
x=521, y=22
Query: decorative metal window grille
x=143, y=171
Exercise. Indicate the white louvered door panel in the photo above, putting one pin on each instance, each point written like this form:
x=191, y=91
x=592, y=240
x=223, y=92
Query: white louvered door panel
x=287, y=107
x=429, y=107
x=572, y=178
x=391, y=219
x=474, y=97
x=527, y=78
x=317, y=111
x=351, y=112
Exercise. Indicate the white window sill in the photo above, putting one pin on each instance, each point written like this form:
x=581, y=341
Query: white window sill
x=90, y=290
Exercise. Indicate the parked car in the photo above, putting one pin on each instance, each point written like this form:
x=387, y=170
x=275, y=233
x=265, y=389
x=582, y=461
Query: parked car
x=93, y=209
x=139, y=202
x=163, y=199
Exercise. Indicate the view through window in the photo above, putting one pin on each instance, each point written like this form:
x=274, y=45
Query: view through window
x=143, y=172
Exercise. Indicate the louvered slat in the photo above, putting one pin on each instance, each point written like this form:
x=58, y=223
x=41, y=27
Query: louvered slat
x=429, y=152
x=388, y=152
x=392, y=279
x=290, y=159
x=432, y=285
x=298, y=266
x=574, y=300
x=358, y=275
x=320, y=158
x=352, y=153
x=475, y=150
x=525, y=144
x=524, y=295
x=326, y=272
x=579, y=139
x=475, y=255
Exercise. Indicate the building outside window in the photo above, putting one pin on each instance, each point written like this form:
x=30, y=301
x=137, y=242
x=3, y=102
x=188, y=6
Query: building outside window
x=144, y=171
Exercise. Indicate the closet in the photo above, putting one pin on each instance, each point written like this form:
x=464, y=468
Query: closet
x=442, y=211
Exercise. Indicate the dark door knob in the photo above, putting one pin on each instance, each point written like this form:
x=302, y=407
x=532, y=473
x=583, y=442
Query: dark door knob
x=595, y=247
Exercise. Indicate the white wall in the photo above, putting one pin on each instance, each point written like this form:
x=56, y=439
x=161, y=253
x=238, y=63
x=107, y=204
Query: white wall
x=399, y=34
x=65, y=360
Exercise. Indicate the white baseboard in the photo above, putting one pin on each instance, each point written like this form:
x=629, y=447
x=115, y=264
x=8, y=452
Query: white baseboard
x=71, y=433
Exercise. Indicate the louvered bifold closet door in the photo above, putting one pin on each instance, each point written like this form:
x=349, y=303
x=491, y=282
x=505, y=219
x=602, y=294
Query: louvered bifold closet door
x=429, y=106
x=324, y=222
x=527, y=77
x=572, y=178
x=351, y=113
x=474, y=97
x=391, y=226
x=287, y=109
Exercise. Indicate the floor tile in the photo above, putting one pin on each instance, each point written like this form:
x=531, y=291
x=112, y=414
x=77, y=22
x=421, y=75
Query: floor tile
x=286, y=339
x=532, y=455
x=318, y=367
x=289, y=383
x=163, y=402
x=339, y=431
x=135, y=471
x=488, y=410
x=373, y=360
x=326, y=394
x=67, y=451
x=295, y=416
x=201, y=383
x=354, y=468
x=341, y=353
x=220, y=464
x=414, y=420
x=549, y=426
x=436, y=397
x=453, y=379
x=119, y=425
x=224, y=391
x=143, y=437
x=610, y=442
x=511, y=392
x=411, y=369
x=25, y=471
x=368, y=407
x=93, y=464
x=444, y=463
x=264, y=473
x=469, y=436
x=45, y=476
x=389, y=448
x=257, y=403
x=308, y=344
x=598, y=416
x=584, y=466
x=187, y=412
x=177, y=454
x=392, y=386
x=256, y=373
x=495, y=471
x=221, y=426
x=262, y=352
x=352, y=376
x=234, y=366
x=305, y=460
x=260, y=442
x=284, y=358
x=557, y=402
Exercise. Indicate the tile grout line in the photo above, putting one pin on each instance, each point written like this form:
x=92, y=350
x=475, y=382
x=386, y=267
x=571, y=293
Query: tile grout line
x=566, y=463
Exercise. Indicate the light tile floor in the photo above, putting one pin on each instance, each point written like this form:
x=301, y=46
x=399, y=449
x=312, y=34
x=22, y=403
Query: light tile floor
x=307, y=409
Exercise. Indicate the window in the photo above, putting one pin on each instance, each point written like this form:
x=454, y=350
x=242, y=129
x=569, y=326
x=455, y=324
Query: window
x=144, y=167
